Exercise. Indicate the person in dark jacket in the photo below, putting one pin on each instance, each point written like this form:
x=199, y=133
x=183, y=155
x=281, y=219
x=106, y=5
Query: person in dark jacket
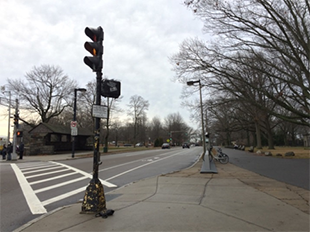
x=9, y=151
x=3, y=152
x=21, y=150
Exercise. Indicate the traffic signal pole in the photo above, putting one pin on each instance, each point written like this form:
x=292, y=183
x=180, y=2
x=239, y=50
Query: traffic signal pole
x=16, y=118
x=9, y=121
x=94, y=198
x=96, y=160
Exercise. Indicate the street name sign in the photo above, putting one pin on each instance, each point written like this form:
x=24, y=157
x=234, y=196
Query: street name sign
x=99, y=111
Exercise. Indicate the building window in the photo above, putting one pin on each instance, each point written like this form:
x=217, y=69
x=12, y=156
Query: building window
x=64, y=138
x=54, y=138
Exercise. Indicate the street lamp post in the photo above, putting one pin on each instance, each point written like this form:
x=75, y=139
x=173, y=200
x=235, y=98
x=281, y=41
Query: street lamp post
x=74, y=117
x=201, y=112
x=207, y=167
x=9, y=117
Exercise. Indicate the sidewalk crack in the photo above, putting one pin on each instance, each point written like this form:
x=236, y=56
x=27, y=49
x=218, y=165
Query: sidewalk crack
x=137, y=202
x=204, y=190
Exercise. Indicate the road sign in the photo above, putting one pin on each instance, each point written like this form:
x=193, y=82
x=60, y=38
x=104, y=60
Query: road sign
x=73, y=124
x=100, y=111
x=74, y=131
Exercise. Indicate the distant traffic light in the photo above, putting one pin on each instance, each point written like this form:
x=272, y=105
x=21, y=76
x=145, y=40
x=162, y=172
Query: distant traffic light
x=95, y=48
x=19, y=134
x=16, y=119
x=110, y=88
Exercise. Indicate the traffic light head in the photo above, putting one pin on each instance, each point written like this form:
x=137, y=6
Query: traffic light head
x=95, y=48
x=95, y=34
x=95, y=63
x=15, y=119
x=19, y=134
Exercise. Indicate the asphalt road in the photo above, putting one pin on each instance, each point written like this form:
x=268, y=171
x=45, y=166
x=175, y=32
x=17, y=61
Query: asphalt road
x=55, y=184
x=30, y=189
x=290, y=171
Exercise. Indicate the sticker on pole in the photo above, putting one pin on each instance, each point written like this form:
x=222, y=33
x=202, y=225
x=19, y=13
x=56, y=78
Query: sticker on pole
x=100, y=111
x=73, y=124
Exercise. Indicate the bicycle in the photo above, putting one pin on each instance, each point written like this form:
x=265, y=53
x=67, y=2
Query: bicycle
x=221, y=156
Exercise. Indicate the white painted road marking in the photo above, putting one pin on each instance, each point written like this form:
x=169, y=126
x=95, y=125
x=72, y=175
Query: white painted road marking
x=35, y=205
x=32, y=200
x=110, y=185
x=52, y=178
x=63, y=196
x=141, y=166
x=59, y=185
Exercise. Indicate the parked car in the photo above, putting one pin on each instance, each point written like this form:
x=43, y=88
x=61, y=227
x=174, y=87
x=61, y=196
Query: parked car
x=165, y=146
x=185, y=145
x=139, y=145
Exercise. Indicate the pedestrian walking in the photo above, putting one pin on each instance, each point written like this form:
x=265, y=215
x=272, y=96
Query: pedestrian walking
x=3, y=152
x=9, y=151
x=21, y=150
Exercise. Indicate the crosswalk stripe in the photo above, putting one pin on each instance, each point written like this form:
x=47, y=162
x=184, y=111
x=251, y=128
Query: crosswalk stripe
x=47, y=173
x=106, y=183
x=34, y=204
x=32, y=200
x=36, y=167
x=59, y=185
x=53, y=178
x=63, y=196
x=41, y=170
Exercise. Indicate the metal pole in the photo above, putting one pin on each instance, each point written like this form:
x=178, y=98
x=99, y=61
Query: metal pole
x=206, y=164
x=94, y=198
x=9, y=120
x=74, y=119
x=14, y=155
x=97, y=128
x=202, y=123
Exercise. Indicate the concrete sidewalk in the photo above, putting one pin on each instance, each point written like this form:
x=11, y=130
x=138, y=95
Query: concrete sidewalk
x=232, y=200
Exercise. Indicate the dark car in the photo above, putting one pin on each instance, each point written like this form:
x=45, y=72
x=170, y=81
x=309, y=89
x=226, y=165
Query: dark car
x=165, y=146
x=185, y=145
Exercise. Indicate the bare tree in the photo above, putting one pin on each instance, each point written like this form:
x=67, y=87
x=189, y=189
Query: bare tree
x=156, y=128
x=137, y=110
x=177, y=129
x=271, y=38
x=45, y=91
x=261, y=59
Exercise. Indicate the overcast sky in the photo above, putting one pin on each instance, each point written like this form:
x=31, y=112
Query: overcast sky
x=139, y=38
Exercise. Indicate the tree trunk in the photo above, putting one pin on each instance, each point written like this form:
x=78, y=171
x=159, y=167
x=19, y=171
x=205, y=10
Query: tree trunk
x=258, y=136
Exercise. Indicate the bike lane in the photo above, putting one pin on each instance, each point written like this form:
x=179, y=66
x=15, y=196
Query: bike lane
x=291, y=171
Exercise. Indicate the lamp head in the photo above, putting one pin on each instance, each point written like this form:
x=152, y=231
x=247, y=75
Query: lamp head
x=81, y=89
x=192, y=82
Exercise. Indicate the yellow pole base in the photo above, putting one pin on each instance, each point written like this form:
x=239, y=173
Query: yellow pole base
x=94, y=199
